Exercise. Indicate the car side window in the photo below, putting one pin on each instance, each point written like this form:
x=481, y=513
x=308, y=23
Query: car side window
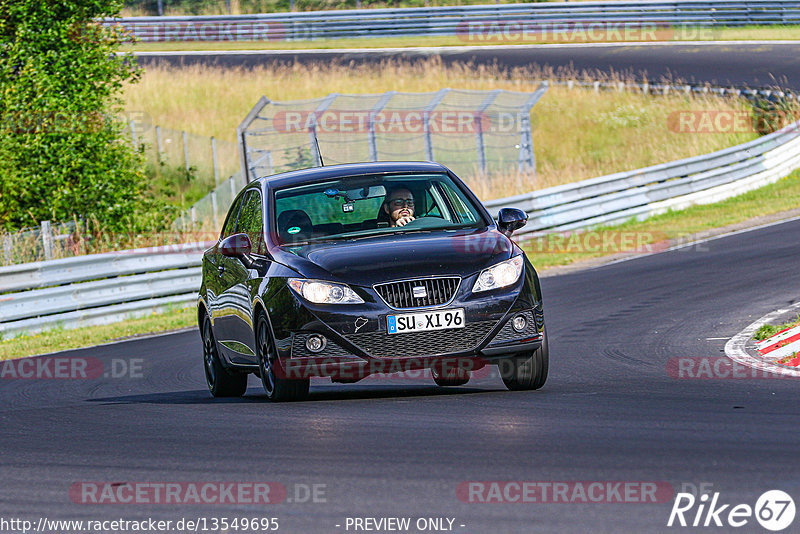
x=251, y=222
x=229, y=228
x=433, y=205
x=463, y=213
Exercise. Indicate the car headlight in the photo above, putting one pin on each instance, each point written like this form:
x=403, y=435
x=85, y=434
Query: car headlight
x=500, y=275
x=320, y=292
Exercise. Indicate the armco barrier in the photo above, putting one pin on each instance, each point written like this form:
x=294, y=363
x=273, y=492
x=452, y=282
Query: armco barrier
x=492, y=20
x=644, y=192
x=97, y=289
x=111, y=287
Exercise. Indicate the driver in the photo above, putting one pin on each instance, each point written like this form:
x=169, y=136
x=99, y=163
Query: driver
x=399, y=205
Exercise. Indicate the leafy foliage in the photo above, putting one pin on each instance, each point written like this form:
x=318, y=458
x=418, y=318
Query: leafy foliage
x=63, y=154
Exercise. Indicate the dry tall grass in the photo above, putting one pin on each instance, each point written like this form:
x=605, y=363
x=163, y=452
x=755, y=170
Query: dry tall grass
x=578, y=133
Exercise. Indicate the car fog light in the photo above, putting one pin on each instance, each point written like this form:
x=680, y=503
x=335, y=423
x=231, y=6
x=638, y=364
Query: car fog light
x=519, y=323
x=316, y=343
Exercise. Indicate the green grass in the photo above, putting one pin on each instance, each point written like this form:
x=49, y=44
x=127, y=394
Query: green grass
x=769, y=330
x=577, y=133
x=62, y=339
x=745, y=33
x=680, y=224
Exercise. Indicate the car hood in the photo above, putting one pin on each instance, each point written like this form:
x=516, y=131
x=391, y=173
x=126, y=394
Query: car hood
x=370, y=260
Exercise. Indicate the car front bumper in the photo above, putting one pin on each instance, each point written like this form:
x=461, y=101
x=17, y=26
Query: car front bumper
x=357, y=342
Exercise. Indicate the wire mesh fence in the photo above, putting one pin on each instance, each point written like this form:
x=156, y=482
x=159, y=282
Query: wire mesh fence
x=477, y=134
x=471, y=132
x=206, y=159
x=45, y=242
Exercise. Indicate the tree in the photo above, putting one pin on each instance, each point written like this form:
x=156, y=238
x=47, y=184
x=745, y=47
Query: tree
x=62, y=150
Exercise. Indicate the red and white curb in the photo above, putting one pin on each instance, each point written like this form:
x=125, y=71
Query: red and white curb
x=784, y=343
x=734, y=348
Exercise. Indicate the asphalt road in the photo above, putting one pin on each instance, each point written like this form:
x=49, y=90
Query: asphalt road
x=737, y=64
x=610, y=412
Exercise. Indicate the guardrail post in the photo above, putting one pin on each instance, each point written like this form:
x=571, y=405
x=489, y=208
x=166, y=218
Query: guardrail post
x=373, y=144
x=214, y=209
x=47, y=240
x=478, y=118
x=185, y=150
x=133, y=134
x=313, y=141
x=214, y=160
x=7, y=249
x=527, y=159
x=426, y=121
x=159, y=145
x=241, y=137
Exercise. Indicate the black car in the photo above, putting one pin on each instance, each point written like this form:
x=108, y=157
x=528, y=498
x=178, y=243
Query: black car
x=350, y=270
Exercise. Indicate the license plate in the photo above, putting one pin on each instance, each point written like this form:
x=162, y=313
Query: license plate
x=424, y=321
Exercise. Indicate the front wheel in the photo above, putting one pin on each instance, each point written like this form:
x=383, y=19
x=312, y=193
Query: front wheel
x=221, y=382
x=527, y=371
x=277, y=388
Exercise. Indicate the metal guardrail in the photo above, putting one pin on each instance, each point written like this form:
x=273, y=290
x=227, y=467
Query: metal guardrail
x=97, y=289
x=644, y=192
x=110, y=287
x=459, y=20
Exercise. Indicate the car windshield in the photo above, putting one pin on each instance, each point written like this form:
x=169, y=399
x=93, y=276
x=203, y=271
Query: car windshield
x=370, y=205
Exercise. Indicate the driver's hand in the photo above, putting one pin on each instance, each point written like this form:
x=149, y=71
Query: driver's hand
x=402, y=221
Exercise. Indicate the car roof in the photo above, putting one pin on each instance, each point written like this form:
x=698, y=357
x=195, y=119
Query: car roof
x=315, y=174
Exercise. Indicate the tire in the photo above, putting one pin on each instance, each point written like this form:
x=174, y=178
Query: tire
x=221, y=381
x=527, y=371
x=277, y=389
x=449, y=377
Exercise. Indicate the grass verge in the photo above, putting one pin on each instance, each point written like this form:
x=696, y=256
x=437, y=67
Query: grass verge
x=769, y=330
x=678, y=225
x=577, y=133
x=745, y=33
x=63, y=339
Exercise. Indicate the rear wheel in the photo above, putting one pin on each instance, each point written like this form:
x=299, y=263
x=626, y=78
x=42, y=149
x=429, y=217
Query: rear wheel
x=278, y=389
x=449, y=374
x=527, y=371
x=221, y=381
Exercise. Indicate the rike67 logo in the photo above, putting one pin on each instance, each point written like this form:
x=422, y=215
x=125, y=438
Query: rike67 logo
x=774, y=510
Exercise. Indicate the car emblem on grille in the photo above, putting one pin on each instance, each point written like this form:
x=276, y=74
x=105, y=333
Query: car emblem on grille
x=419, y=292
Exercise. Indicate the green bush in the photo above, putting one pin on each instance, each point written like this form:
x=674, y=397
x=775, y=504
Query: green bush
x=63, y=154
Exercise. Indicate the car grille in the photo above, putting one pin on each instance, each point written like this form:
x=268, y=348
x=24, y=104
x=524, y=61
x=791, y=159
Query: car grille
x=400, y=295
x=383, y=345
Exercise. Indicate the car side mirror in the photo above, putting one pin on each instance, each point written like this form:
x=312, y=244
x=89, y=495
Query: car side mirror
x=510, y=220
x=236, y=246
